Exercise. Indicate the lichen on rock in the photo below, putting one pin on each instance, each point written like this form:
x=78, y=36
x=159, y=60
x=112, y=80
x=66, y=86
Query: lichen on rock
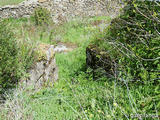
x=45, y=52
x=44, y=72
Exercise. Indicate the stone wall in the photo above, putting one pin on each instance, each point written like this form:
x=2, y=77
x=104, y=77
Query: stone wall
x=44, y=71
x=23, y=9
x=61, y=10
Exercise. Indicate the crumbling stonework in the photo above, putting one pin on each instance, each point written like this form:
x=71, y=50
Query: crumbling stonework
x=61, y=10
x=44, y=71
x=23, y=9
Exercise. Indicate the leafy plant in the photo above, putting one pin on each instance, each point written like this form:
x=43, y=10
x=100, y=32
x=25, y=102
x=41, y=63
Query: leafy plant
x=133, y=40
x=42, y=16
x=9, y=68
x=15, y=57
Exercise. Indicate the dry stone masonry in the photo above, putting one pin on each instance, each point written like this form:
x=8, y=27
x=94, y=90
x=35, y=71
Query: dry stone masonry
x=44, y=71
x=61, y=10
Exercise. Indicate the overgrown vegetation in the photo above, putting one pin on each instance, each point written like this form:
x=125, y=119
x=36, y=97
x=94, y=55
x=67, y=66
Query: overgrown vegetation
x=42, y=16
x=132, y=40
x=16, y=57
x=9, y=73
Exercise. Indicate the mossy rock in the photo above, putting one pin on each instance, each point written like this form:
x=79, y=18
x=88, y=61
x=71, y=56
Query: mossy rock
x=98, y=59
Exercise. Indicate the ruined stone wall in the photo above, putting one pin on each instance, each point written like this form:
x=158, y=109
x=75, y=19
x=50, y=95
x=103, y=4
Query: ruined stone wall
x=23, y=9
x=61, y=10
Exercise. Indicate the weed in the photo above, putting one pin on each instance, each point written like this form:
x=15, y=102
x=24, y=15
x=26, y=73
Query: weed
x=42, y=16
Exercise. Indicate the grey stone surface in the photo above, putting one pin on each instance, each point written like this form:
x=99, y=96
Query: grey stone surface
x=44, y=72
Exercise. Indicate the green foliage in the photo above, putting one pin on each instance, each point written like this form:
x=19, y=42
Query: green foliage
x=141, y=38
x=9, y=74
x=42, y=16
x=15, y=57
x=133, y=40
x=76, y=96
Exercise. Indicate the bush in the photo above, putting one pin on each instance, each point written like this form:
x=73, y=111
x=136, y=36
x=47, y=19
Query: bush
x=42, y=16
x=9, y=72
x=15, y=57
x=134, y=39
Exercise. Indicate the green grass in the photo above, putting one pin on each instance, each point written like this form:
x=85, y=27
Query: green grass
x=25, y=29
x=76, y=96
x=75, y=32
x=9, y=2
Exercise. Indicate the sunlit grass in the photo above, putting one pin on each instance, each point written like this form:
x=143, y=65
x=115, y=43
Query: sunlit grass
x=9, y=2
x=76, y=96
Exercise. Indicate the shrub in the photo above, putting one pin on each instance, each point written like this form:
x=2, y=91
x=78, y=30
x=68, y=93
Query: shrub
x=133, y=40
x=15, y=57
x=42, y=16
x=9, y=72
